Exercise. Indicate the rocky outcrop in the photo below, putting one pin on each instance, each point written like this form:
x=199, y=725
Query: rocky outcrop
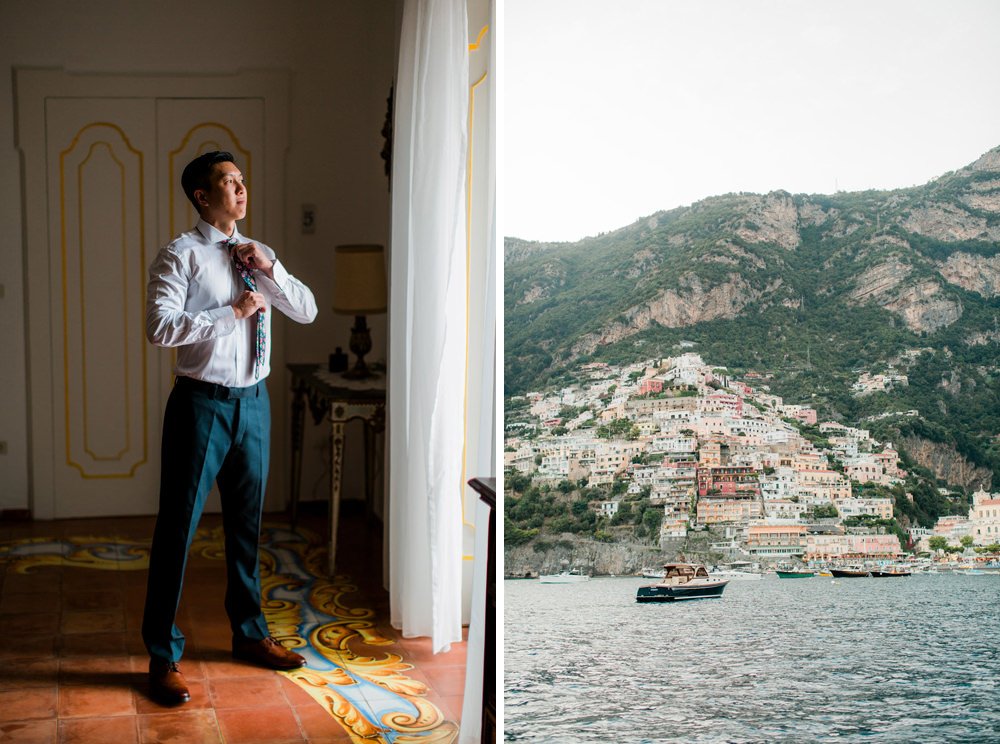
x=532, y=295
x=949, y=223
x=977, y=274
x=989, y=202
x=879, y=282
x=814, y=215
x=947, y=463
x=773, y=218
x=921, y=305
x=690, y=303
x=988, y=162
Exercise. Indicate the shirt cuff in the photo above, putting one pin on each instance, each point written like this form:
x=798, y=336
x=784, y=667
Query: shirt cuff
x=280, y=275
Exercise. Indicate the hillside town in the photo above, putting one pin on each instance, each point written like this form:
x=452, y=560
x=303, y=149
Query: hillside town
x=724, y=453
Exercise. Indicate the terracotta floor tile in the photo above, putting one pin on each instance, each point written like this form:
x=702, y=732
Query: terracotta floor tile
x=180, y=727
x=19, y=646
x=266, y=726
x=446, y=680
x=119, y=730
x=91, y=600
x=17, y=602
x=96, y=670
x=295, y=695
x=28, y=732
x=28, y=704
x=133, y=581
x=92, y=644
x=36, y=581
x=221, y=665
x=247, y=692
x=319, y=726
x=24, y=673
x=95, y=579
x=30, y=623
x=209, y=636
x=92, y=621
x=92, y=702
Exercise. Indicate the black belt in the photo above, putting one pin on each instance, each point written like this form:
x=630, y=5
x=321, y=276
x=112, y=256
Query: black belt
x=219, y=392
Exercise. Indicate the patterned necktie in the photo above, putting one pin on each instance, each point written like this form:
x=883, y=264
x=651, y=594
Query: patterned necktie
x=248, y=279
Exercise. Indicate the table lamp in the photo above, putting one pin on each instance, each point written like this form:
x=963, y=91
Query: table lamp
x=358, y=290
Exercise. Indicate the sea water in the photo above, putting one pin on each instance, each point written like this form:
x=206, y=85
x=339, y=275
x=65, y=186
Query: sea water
x=913, y=659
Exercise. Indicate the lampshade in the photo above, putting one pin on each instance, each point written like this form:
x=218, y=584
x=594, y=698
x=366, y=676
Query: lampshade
x=359, y=279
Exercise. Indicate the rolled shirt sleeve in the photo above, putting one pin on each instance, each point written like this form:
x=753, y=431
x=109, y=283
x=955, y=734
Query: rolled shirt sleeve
x=168, y=321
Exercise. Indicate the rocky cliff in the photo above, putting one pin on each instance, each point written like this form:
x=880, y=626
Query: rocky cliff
x=947, y=464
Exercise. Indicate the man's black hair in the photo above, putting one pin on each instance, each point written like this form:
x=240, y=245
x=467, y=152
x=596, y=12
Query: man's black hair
x=196, y=173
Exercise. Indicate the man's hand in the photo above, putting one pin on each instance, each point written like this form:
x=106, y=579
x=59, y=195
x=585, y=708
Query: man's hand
x=248, y=303
x=252, y=255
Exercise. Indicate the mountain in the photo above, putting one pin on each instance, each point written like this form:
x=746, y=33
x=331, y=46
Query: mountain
x=817, y=289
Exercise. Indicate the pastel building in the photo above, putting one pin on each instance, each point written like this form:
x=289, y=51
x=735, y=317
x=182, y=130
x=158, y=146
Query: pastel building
x=721, y=510
x=881, y=508
x=834, y=547
x=985, y=518
x=776, y=540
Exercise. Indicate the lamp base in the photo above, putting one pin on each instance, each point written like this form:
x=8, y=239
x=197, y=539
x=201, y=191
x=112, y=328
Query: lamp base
x=359, y=371
x=361, y=344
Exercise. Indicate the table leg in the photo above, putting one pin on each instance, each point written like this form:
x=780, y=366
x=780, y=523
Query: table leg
x=336, y=473
x=369, y=470
x=298, y=431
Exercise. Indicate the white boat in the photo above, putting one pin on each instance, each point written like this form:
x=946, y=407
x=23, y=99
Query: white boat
x=735, y=572
x=653, y=573
x=564, y=577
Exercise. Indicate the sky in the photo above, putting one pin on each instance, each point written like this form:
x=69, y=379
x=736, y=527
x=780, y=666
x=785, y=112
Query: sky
x=615, y=109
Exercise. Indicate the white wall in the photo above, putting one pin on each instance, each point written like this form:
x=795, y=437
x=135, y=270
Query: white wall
x=341, y=58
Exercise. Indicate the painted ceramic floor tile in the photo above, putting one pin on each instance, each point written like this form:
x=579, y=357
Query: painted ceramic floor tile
x=372, y=697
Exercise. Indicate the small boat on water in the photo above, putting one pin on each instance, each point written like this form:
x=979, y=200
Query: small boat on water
x=564, y=577
x=890, y=572
x=682, y=581
x=851, y=573
x=874, y=572
x=652, y=573
x=793, y=572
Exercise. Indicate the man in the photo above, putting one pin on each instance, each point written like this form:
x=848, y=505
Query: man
x=210, y=294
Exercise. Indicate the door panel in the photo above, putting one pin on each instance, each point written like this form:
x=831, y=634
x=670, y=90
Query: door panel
x=105, y=390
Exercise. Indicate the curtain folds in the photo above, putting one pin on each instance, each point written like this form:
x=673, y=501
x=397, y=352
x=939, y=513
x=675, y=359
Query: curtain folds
x=427, y=322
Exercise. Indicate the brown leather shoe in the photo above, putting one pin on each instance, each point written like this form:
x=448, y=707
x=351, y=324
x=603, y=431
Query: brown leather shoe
x=166, y=683
x=268, y=653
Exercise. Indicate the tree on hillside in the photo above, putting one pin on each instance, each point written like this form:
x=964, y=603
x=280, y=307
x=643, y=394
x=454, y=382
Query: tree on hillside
x=937, y=542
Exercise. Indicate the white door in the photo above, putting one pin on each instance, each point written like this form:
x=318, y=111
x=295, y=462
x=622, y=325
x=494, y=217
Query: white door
x=110, y=198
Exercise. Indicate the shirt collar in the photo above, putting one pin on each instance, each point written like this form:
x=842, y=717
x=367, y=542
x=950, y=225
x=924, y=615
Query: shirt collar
x=214, y=235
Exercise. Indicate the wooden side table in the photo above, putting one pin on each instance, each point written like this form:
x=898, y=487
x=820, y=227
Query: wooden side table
x=339, y=400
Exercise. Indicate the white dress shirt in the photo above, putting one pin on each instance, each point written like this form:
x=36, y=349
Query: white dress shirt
x=192, y=285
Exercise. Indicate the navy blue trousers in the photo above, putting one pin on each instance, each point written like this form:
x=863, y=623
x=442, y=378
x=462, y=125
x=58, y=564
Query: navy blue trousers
x=209, y=436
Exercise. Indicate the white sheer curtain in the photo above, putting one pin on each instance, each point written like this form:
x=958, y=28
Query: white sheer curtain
x=427, y=322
